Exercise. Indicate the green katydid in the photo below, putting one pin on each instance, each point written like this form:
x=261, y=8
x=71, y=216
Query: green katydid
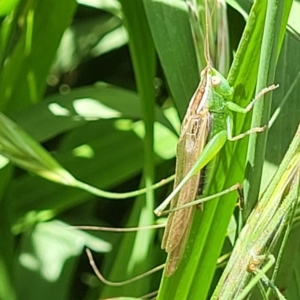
x=206, y=127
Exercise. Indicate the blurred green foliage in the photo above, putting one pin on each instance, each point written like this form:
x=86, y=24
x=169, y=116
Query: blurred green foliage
x=91, y=94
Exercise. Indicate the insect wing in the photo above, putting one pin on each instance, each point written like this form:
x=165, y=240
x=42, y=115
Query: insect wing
x=194, y=134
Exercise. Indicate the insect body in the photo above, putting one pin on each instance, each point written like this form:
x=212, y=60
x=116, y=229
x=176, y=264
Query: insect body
x=205, y=117
x=205, y=129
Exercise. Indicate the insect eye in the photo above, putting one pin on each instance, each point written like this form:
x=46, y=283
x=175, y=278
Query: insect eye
x=215, y=80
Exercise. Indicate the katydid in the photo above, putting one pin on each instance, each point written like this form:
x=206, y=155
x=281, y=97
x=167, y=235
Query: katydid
x=206, y=127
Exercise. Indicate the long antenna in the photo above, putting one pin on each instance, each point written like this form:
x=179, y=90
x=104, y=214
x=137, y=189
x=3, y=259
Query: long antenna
x=206, y=43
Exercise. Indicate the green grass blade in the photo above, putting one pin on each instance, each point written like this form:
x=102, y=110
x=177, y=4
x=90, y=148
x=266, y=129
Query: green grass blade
x=276, y=16
x=31, y=54
x=143, y=59
x=262, y=225
x=7, y=279
x=170, y=28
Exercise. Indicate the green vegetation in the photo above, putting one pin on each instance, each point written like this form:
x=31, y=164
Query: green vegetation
x=103, y=87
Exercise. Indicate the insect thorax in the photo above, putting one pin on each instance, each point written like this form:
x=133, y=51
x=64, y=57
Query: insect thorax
x=217, y=121
x=217, y=104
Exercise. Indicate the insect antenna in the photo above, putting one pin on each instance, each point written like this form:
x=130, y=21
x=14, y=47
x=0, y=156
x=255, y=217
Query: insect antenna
x=206, y=42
